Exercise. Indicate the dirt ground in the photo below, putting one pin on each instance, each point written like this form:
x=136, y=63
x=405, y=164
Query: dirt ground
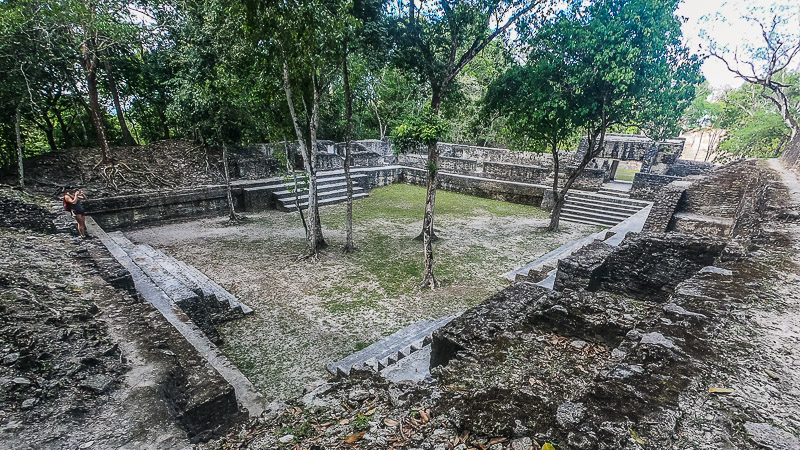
x=309, y=314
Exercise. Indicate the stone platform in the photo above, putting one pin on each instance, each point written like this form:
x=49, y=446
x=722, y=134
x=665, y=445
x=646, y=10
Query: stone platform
x=183, y=306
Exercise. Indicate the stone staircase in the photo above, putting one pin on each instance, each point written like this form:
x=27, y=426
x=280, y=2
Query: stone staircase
x=614, y=193
x=599, y=209
x=331, y=189
x=382, y=355
x=142, y=265
x=204, y=301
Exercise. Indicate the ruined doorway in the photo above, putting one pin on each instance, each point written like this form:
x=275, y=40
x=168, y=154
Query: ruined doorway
x=625, y=170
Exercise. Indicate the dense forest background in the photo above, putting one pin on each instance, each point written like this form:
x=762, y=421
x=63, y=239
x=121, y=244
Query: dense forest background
x=162, y=69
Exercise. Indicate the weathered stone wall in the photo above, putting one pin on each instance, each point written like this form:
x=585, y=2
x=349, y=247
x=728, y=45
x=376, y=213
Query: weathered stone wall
x=718, y=195
x=516, y=172
x=375, y=145
x=671, y=258
x=482, y=154
x=664, y=206
x=412, y=160
x=686, y=167
x=458, y=165
x=507, y=191
x=655, y=157
x=355, y=147
x=725, y=202
x=329, y=161
x=646, y=186
x=366, y=159
x=129, y=210
x=580, y=269
x=589, y=179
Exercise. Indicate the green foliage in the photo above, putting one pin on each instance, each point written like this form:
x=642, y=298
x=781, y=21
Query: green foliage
x=763, y=134
x=423, y=129
x=591, y=68
x=702, y=112
x=753, y=126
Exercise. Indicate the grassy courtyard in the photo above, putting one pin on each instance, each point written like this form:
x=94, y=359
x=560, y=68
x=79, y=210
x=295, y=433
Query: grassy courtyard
x=310, y=313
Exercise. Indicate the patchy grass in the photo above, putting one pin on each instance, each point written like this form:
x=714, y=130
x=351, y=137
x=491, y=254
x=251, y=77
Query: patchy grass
x=624, y=174
x=311, y=313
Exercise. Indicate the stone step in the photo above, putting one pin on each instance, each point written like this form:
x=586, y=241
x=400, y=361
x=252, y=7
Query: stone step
x=195, y=306
x=327, y=201
x=599, y=218
x=286, y=193
x=603, y=206
x=591, y=196
x=581, y=219
x=614, y=193
x=617, y=202
x=221, y=293
x=321, y=179
x=246, y=393
x=596, y=211
x=170, y=266
x=390, y=349
x=192, y=278
x=175, y=266
x=321, y=195
x=224, y=306
x=172, y=286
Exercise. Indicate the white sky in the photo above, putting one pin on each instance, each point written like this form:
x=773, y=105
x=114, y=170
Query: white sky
x=733, y=31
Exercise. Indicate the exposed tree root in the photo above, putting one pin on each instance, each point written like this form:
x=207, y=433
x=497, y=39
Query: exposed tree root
x=430, y=281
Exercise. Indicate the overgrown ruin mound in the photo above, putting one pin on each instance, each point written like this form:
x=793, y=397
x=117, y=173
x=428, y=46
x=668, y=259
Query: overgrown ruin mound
x=153, y=167
x=83, y=362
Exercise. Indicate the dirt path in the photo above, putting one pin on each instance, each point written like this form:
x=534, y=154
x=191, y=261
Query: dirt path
x=309, y=314
x=760, y=354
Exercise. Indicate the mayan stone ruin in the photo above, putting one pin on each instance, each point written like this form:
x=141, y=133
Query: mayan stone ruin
x=451, y=225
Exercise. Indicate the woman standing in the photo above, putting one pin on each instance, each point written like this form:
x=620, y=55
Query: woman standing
x=73, y=198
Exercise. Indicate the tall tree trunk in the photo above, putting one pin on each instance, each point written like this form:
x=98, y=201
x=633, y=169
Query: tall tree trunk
x=428, y=278
x=314, y=232
x=381, y=127
x=233, y=217
x=290, y=168
x=123, y=126
x=18, y=132
x=51, y=139
x=90, y=65
x=348, y=245
x=558, y=200
x=49, y=130
x=313, y=203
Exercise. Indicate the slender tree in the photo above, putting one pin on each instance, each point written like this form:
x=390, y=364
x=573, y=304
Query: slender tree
x=20, y=153
x=304, y=34
x=127, y=138
x=541, y=112
x=435, y=43
x=611, y=63
x=348, y=243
